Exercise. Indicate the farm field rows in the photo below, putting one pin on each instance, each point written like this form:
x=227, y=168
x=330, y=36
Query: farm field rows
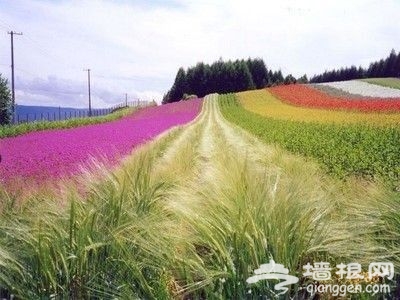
x=264, y=103
x=175, y=221
x=364, y=88
x=52, y=154
x=342, y=149
x=306, y=96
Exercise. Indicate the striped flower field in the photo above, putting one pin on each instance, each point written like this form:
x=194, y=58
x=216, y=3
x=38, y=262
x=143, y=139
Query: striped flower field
x=263, y=102
x=306, y=96
x=364, y=89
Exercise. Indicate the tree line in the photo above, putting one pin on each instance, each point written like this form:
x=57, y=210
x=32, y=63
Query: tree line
x=388, y=67
x=5, y=102
x=225, y=77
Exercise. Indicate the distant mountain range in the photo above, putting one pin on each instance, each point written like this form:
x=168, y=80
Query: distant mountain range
x=30, y=113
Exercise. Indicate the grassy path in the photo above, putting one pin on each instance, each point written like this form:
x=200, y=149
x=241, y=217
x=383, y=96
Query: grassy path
x=243, y=202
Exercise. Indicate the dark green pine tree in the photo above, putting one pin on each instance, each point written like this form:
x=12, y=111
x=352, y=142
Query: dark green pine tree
x=373, y=70
x=197, y=80
x=390, y=65
x=5, y=102
x=303, y=79
x=289, y=79
x=216, y=83
x=277, y=77
x=258, y=71
x=242, y=77
x=179, y=87
x=397, y=66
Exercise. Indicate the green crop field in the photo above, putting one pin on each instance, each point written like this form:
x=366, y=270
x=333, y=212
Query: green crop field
x=387, y=82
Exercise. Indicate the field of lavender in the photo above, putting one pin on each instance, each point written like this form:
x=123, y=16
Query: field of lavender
x=53, y=154
x=185, y=203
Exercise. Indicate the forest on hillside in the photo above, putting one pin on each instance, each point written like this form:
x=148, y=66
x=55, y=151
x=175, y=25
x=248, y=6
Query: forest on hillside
x=225, y=77
x=388, y=67
x=239, y=75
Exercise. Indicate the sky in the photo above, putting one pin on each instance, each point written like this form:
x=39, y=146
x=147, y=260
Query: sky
x=137, y=46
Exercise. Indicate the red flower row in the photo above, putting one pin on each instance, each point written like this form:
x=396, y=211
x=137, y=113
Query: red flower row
x=302, y=95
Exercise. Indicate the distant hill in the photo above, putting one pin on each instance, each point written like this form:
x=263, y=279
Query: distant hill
x=30, y=113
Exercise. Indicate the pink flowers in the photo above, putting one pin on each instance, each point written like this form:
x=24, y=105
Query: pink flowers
x=58, y=153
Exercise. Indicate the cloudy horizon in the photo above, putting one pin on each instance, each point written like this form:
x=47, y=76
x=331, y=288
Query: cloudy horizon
x=136, y=47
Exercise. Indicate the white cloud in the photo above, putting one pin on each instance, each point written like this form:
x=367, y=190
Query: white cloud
x=136, y=47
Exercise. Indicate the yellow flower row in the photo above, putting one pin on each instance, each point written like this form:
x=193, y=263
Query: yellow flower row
x=264, y=103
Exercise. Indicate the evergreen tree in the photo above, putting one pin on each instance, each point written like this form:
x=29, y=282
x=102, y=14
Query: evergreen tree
x=242, y=79
x=5, y=102
x=222, y=77
x=199, y=80
x=277, y=77
x=303, y=79
x=289, y=79
x=258, y=71
x=397, y=66
x=388, y=67
x=179, y=87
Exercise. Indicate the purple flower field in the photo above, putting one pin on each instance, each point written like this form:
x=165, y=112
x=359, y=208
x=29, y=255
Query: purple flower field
x=54, y=154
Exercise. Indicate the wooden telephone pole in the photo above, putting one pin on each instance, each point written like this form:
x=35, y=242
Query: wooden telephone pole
x=90, y=100
x=12, y=74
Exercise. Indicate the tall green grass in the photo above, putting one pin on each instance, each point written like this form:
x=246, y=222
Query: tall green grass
x=118, y=240
x=14, y=130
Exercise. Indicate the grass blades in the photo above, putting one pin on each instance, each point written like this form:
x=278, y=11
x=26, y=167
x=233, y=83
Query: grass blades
x=114, y=242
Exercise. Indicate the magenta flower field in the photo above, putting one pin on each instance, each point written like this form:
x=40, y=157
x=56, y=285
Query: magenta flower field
x=58, y=153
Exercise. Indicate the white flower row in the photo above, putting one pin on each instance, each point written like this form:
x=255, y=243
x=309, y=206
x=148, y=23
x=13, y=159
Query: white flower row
x=363, y=88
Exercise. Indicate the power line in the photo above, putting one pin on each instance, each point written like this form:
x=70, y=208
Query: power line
x=47, y=54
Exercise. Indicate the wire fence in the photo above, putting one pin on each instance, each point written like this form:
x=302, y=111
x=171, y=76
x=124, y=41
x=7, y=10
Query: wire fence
x=61, y=114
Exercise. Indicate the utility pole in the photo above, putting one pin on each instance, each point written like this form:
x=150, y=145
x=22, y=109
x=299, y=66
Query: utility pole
x=90, y=101
x=12, y=74
x=126, y=99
